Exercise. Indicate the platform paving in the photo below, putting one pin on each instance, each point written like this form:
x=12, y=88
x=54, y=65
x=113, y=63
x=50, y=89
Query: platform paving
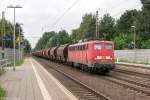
x=134, y=64
x=32, y=82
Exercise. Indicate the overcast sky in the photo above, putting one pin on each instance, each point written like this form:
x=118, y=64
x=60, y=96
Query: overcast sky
x=42, y=15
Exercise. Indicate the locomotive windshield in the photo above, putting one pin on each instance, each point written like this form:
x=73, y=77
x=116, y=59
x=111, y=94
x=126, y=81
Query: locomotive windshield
x=108, y=46
x=97, y=46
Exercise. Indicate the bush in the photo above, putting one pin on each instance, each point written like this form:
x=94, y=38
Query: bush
x=2, y=71
x=2, y=93
x=18, y=63
x=122, y=41
x=145, y=44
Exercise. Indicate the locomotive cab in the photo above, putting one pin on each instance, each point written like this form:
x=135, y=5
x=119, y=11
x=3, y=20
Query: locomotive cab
x=102, y=55
x=97, y=55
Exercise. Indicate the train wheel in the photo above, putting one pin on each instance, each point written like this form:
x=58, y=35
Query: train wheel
x=72, y=64
x=82, y=67
x=90, y=70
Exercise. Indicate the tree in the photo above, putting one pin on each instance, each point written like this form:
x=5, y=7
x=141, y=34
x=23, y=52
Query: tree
x=63, y=37
x=122, y=41
x=76, y=35
x=88, y=26
x=107, y=27
x=127, y=20
x=145, y=44
x=9, y=32
x=45, y=38
x=146, y=4
x=143, y=22
x=53, y=41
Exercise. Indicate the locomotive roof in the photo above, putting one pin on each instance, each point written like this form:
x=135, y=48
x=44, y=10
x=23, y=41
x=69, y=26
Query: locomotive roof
x=90, y=42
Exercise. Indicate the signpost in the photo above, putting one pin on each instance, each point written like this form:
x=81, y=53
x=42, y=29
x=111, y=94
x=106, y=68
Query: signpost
x=25, y=43
x=7, y=38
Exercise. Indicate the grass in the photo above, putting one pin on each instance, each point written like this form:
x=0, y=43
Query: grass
x=2, y=71
x=2, y=93
x=18, y=63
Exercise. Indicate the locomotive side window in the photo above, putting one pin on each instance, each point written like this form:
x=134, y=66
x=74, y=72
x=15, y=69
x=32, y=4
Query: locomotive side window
x=108, y=47
x=78, y=48
x=97, y=46
x=71, y=48
x=83, y=47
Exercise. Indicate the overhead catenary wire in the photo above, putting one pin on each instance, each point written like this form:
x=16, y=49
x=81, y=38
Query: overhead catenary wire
x=74, y=3
x=115, y=15
x=118, y=5
x=63, y=14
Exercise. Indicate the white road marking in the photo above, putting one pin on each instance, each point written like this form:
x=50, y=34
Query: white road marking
x=43, y=89
x=67, y=92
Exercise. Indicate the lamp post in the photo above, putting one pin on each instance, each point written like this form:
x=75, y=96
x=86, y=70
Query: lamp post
x=134, y=35
x=20, y=41
x=14, y=36
x=21, y=38
x=3, y=34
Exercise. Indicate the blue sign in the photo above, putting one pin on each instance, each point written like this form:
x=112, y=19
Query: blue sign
x=7, y=38
x=25, y=43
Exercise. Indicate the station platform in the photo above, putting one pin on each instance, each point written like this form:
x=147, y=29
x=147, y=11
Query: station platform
x=133, y=64
x=32, y=82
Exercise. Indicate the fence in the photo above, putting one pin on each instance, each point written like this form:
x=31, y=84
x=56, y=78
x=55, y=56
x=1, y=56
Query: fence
x=9, y=54
x=3, y=63
x=139, y=56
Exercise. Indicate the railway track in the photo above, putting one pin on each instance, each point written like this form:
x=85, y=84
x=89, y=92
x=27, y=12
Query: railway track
x=127, y=83
x=133, y=73
x=134, y=66
x=133, y=85
x=82, y=91
x=132, y=79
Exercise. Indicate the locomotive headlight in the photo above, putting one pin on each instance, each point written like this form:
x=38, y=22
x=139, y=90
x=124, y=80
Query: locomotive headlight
x=108, y=57
x=98, y=57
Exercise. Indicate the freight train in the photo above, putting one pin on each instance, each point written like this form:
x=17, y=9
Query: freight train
x=93, y=55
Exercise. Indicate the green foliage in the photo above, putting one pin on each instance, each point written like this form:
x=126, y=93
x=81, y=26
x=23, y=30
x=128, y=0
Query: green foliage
x=63, y=37
x=2, y=71
x=8, y=32
x=88, y=26
x=42, y=43
x=127, y=20
x=2, y=93
x=53, y=41
x=107, y=27
x=8, y=29
x=122, y=41
x=17, y=63
x=146, y=4
x=76, y=35
x=145, y=44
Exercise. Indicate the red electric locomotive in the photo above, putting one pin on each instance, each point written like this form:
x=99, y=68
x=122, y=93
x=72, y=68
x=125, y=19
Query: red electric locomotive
x=97, y=55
